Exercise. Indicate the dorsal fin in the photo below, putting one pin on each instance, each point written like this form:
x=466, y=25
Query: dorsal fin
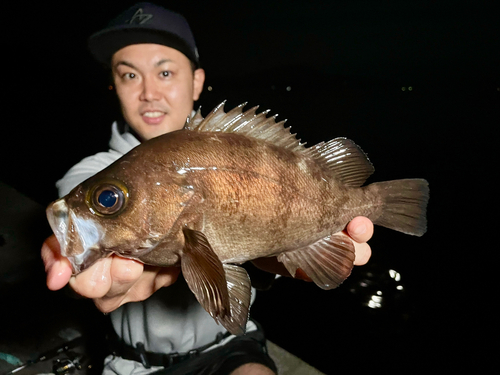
x=193, y=121
x=340, y=155
x=344, y=158
x=247, y=123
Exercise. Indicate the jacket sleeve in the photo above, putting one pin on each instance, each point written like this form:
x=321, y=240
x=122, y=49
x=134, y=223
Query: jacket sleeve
x=85, y=169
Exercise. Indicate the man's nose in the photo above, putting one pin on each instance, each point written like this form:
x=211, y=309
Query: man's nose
x=150, y=91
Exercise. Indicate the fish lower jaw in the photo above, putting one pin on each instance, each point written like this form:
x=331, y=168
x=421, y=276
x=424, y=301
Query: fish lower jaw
x=58, y=218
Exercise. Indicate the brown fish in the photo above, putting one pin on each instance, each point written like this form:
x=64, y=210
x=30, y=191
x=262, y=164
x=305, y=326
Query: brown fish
x=226, y=189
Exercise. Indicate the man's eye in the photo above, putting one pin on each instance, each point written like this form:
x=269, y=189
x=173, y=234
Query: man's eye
x=165, y=73
x=129, y=75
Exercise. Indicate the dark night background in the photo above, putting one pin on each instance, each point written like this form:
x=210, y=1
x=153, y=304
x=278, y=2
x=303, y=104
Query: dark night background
x=415, y=83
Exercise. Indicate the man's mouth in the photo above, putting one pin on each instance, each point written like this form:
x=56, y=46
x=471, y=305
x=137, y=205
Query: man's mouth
x=153, y=117
x=153, y=114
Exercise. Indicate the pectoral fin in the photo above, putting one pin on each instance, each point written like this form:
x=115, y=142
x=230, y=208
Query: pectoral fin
x=204, y=274
x=240, y=292
x=328, y=262
x=223, y=290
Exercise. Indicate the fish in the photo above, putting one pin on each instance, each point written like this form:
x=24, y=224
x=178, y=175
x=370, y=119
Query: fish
x=227, y=189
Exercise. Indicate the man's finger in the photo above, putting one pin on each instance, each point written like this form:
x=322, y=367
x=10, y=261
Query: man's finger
x=57, y=267
x=166, y=277
x=363, y=253
x=95, y=281
x=360, y=229
x=124, y=274
x=59, y=274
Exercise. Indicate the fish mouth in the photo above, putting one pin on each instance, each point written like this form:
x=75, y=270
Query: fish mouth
x=79, y=238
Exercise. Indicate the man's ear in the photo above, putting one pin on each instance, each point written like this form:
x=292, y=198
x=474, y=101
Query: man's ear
x=198, y=81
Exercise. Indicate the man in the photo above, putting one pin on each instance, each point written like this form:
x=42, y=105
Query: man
x=156, y=72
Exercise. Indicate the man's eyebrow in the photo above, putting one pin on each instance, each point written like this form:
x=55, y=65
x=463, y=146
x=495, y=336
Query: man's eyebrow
x=163, y=61
x=130, y=65
x=126, y=63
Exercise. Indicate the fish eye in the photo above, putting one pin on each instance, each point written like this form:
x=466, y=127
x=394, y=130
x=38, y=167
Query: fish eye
x=108, y=198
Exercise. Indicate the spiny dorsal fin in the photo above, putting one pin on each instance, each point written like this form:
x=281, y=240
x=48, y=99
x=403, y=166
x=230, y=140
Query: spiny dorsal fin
x=340, y=155
x=345, y=158
x=247, y=123
x=193, y=121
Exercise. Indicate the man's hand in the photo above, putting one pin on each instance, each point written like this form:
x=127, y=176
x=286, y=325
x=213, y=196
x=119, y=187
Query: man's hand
x=110, y=282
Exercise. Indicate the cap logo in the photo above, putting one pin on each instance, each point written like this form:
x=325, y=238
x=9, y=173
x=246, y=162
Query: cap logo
x=139, y=18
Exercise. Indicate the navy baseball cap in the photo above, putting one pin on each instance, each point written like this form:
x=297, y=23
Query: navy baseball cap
x=144, y=23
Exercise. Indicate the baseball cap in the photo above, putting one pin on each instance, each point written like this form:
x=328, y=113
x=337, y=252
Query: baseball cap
x=144, y=23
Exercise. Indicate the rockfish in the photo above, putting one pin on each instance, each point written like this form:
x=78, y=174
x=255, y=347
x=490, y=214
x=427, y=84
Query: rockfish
x=227, y=189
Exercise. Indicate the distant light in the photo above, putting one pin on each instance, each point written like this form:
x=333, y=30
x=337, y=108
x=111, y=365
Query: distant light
x=410, y=88
x=395, y=275
x=375, y=302
x=289, y=88
x=403, y=88
x=399, y=287
x=209, y=88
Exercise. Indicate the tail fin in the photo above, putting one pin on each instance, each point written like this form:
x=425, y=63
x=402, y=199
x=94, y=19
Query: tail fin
x=405, y=203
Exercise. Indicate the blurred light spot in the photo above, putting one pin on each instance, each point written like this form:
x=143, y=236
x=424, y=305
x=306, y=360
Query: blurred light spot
x=410, y=88
x=403, y=88
x=209, y=88
x=375, y=302
x=399, y=287
x=395, y=275
x=289, y=88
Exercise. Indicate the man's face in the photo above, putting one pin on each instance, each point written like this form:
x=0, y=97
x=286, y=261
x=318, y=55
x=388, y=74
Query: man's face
x=156, y=87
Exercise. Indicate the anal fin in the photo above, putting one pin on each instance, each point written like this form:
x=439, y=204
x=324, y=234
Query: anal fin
x=328, y=262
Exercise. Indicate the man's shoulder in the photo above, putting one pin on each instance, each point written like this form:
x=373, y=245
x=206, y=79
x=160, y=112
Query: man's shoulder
x=86, y=168
x=101, y=159
x=120, y=144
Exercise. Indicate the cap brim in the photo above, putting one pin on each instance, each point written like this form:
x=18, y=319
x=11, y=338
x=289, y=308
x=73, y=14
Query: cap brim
x=105, y=43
